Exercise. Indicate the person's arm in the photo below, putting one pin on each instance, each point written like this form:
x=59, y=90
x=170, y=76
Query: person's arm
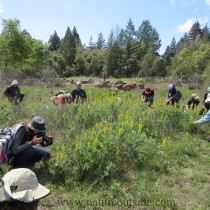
x=84, y=94
x=73, y=95
x=18, y=92
x=18, y=147
x=203, y=120
x=143, y=95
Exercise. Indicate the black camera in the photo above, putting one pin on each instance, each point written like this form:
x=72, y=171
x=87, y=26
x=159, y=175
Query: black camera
x=46, y=141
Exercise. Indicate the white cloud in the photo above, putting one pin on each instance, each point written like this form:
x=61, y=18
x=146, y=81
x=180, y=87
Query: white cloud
x=208, y=2
x=187, y=26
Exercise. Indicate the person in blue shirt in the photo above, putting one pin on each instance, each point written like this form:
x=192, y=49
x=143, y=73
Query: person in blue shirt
x=78, y=94
x=203, y=120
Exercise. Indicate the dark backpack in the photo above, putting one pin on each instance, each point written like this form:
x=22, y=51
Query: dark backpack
x=7, y=92
x=7, y=136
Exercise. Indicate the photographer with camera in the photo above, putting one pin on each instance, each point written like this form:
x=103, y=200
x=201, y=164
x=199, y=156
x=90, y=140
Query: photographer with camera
x=23, y=150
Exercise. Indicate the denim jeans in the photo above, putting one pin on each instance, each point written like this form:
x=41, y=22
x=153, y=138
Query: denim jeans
x=149, y=100
x=29, y=157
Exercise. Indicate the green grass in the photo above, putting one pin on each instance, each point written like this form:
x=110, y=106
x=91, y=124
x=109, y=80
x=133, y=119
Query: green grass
x=111, y=154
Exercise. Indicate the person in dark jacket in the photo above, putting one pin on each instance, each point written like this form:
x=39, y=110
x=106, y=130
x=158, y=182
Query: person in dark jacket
x=12, y=92
x=23, y=149
x=147, y=96
x=174, y=95
x=78, y=94
x=192, y=102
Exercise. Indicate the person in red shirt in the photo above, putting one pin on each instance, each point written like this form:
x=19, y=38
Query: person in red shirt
x=147, y=96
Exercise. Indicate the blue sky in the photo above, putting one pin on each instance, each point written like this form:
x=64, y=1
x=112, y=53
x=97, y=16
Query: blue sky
x=171, y=18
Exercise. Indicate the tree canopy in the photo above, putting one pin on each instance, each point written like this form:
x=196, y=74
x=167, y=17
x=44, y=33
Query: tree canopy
x=129, y=51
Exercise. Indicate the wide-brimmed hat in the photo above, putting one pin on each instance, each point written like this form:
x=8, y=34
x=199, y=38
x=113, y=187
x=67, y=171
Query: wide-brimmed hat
x=14, y=82
x=37, y=124
x=22, y=184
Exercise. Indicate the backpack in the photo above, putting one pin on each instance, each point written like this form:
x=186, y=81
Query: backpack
x=7, y=92
x=7, y=136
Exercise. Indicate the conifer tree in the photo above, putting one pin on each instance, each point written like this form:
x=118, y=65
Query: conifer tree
x=149, y=35
x=100, y=44
x=67, y=47
x=54, y=42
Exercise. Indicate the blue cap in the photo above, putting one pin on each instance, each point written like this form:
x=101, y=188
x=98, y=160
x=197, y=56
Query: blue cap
x=171, y=87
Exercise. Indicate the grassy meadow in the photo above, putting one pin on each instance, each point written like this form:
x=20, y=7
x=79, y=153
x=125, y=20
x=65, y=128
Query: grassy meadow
x=119, y=154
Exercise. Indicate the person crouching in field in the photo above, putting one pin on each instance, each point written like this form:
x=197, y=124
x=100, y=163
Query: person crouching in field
x=61, y=97
x=23, y=150
x=78, y=94
x=174, y=95
x=12, y=92
x=20, y=190
x=206, y=102
x=147, y=96
x=192, y=102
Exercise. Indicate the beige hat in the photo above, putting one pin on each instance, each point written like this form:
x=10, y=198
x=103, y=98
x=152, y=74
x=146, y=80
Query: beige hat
x=22, y=184
x=14, y=82
x=194, y=96
x=78, y=82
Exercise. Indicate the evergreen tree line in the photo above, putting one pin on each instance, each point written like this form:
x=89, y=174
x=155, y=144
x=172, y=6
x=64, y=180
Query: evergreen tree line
x=128, y=52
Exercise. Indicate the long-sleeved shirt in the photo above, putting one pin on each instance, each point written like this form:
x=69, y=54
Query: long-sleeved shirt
x=78, y=95
x=204, y=119
x=12, y=91
x=19, y=143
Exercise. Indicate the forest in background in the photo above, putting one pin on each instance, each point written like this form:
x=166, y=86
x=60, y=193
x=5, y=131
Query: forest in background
x=128, y=52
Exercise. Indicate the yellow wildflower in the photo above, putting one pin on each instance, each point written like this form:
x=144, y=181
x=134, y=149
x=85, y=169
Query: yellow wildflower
x=110, y=164
x=164, y=141
x=120, y=130
x=118, y=184
x=140, y=127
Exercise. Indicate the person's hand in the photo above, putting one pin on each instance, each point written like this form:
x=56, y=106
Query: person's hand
x=37, y=140
x=195, y=123
x=51, y=137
